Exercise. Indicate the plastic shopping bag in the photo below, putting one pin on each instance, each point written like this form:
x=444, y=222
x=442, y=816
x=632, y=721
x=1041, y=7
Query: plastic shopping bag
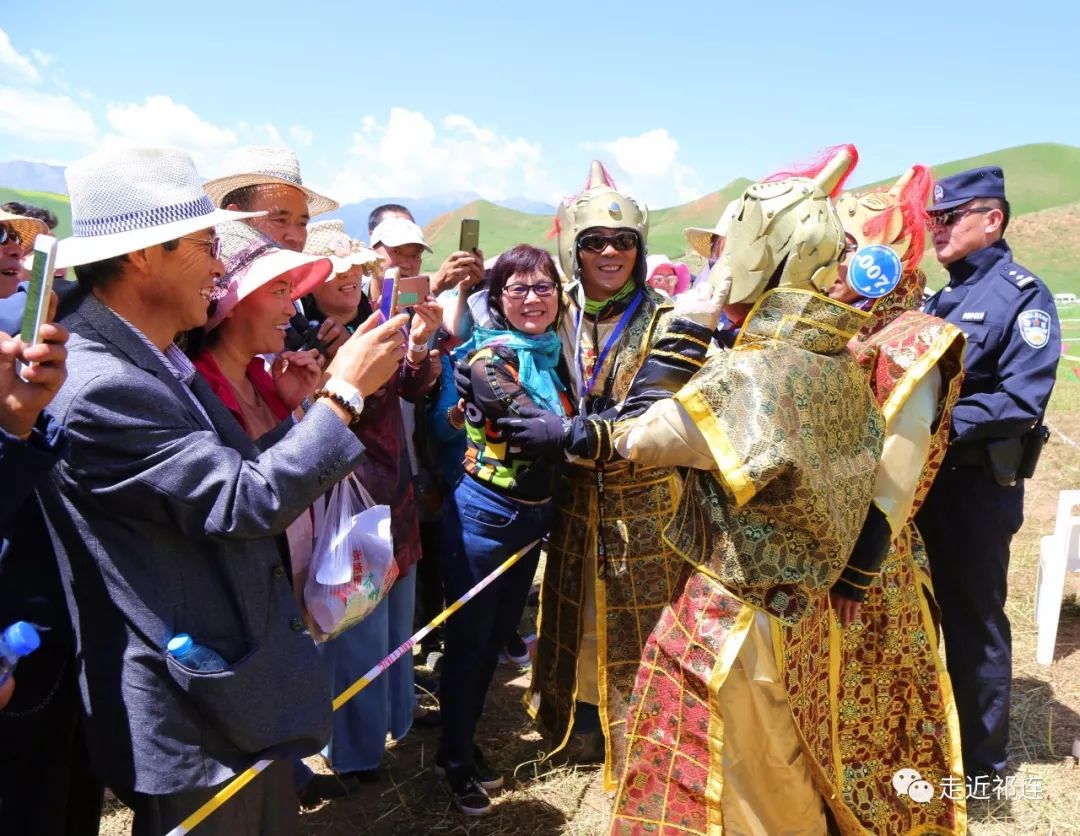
x=352, y=564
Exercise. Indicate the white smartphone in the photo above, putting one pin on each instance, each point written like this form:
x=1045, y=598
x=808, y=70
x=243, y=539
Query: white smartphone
x=38, y=292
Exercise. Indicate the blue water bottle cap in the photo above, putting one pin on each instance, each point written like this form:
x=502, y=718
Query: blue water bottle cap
x=22, y=638
x=179, y=644
x=875, y=271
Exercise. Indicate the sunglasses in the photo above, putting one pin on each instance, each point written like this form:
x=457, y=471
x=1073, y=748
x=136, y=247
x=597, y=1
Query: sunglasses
x=594, y=242
x=8, y=234
x=213, y=244
x=521, y=291
x=943, y=220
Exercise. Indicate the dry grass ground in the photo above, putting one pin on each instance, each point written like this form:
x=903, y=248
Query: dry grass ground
x=537, y=801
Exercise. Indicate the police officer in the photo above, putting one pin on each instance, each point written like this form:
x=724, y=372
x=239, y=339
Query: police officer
x=977, y=502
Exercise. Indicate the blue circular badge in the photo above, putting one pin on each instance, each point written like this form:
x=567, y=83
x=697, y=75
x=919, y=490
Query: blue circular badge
x=874, y=271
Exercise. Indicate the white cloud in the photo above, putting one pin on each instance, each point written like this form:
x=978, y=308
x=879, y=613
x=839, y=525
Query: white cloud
x=161, y=121
x=43, y=117
x=409, y=155
x=14, y=67
x=43, y=58
x=301, y=136
x=648, y=167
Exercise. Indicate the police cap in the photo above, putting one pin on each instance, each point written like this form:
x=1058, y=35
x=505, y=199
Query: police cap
x=958, y=189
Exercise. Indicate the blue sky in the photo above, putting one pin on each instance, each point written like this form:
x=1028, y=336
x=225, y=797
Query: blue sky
x=426, y=98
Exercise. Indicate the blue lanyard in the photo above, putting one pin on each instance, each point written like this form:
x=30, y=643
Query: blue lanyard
x=613, y=338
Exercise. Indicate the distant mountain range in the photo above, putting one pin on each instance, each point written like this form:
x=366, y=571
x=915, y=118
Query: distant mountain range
x=1042, y=179
x=43, y=177
x=427, y=209
x=33, y=177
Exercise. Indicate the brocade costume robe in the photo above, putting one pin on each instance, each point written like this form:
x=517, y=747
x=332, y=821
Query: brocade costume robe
x=785, y=437
x=594, y=620
x=875, y=698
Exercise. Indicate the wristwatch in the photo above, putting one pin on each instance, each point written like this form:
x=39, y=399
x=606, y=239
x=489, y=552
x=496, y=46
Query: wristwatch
x=345, y=395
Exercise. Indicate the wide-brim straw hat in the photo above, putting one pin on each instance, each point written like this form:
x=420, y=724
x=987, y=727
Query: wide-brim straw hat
x=26, y=228
x=328, y=239
x=701, y=239
x=252, y=261
x=126, y=199
x=257, y=165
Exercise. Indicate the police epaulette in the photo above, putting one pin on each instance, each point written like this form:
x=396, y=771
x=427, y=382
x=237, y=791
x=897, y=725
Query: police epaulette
x=1018, y=276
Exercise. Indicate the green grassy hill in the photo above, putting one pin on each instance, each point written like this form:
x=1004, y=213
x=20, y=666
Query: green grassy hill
x=502, y=228
x=1039, y=177
x=1046, y=242
x=55, y=203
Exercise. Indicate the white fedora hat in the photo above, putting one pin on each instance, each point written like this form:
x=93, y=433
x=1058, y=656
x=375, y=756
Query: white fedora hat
x=258, y=165
x=701, y=239
x=126, y=199
x=327, y=239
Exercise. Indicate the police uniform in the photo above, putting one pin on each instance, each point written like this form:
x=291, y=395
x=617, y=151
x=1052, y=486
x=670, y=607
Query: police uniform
x=977, y=502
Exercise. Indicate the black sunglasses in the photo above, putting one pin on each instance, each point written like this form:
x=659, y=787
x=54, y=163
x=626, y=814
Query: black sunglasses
x=9, y=234
x=595, y=242
x=943, y=220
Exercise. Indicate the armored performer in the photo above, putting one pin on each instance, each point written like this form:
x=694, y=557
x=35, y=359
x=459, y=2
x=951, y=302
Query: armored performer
x=876, y=668
x=608, y=573
x=784, y=437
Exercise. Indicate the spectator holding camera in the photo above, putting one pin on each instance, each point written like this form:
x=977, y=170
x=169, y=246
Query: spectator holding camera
x=165, y=514
x=46, y=783
x=388, y=704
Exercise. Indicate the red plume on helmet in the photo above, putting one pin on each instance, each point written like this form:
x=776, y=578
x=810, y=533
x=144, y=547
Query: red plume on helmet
x=813, y=168
x=912, y=192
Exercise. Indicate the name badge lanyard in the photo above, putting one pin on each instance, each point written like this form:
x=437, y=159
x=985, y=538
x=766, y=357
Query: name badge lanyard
x=583, y=391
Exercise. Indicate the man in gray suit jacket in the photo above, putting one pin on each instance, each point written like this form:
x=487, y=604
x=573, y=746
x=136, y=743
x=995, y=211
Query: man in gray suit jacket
x=166, y=517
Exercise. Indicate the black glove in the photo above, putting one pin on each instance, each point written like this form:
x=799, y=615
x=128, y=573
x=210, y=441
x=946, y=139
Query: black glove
x=536, y=432
x=463, y=380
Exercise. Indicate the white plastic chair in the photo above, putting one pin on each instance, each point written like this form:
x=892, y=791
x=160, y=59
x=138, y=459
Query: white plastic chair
x=1059, y=553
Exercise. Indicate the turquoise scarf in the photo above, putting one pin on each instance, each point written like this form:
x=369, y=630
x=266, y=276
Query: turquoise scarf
x=537, y=359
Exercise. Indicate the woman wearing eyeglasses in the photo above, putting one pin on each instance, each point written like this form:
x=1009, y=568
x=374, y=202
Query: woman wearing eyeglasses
x=608, y=573
x=501, y=504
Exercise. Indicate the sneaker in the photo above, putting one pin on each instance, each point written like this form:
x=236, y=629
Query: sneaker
x=486, y=775
x=489, y=777
x=469, y=797
x=516, y=651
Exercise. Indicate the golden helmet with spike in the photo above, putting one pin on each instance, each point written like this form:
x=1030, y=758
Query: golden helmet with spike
x=787, y=233
x=599, y=204
x=895, y=217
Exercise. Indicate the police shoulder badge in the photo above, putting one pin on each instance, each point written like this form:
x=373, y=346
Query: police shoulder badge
x=1034, y=327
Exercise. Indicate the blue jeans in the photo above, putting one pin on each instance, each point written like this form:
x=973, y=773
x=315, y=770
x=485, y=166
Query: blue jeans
x=481, y=529
x=386, y=705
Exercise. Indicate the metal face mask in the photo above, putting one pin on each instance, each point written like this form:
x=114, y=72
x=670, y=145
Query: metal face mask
x=788, y=230
x=600, y=204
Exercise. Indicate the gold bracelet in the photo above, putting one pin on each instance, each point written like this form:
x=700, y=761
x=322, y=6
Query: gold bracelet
x=354, y=413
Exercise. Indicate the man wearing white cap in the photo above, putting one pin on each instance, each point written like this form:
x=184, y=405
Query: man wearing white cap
x=166, y=516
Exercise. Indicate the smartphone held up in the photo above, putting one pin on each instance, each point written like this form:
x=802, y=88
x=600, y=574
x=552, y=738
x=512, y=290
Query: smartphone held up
x=38, y=293
x=470, y=235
